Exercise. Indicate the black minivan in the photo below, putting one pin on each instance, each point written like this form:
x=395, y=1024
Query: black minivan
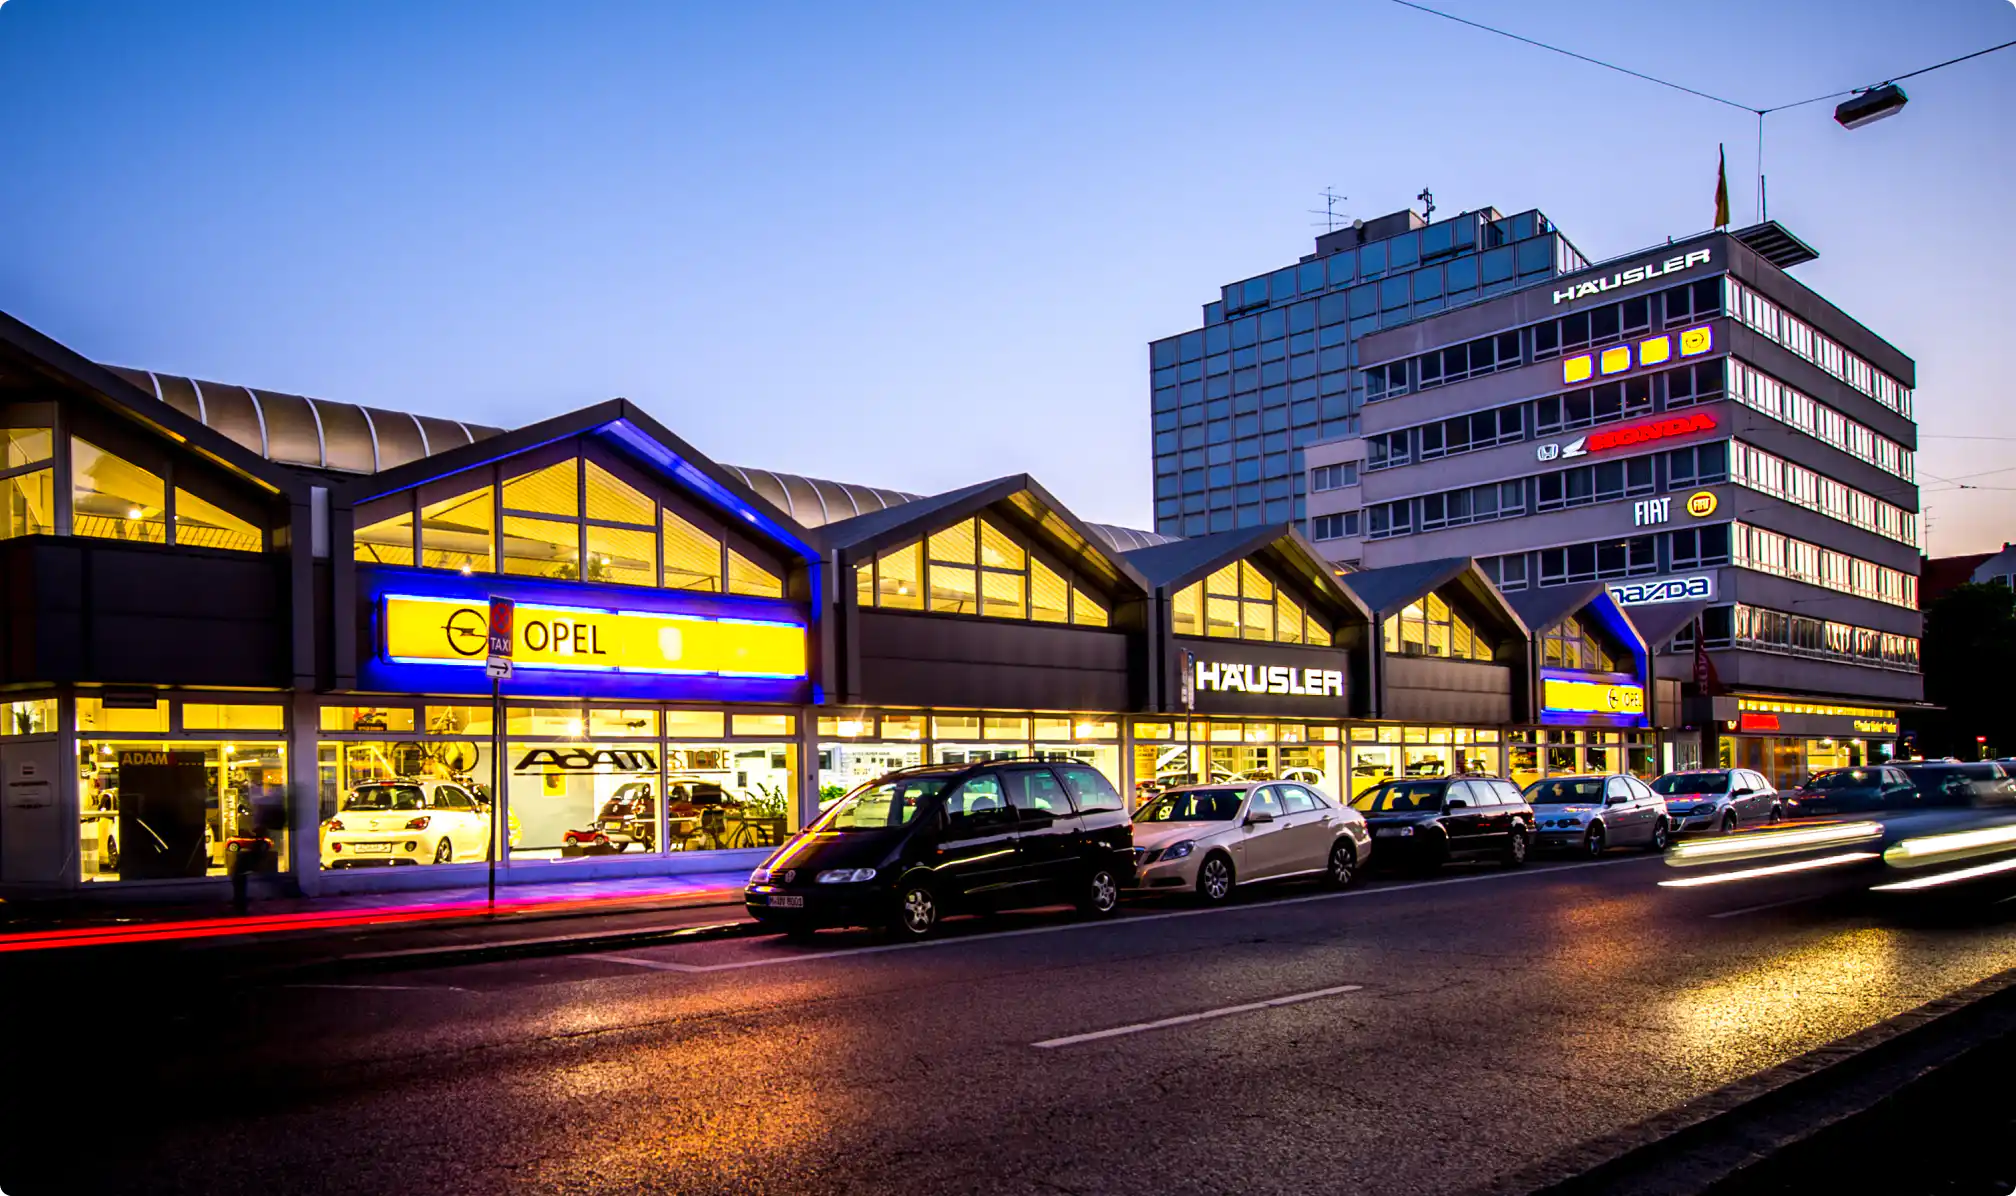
x=905, y=850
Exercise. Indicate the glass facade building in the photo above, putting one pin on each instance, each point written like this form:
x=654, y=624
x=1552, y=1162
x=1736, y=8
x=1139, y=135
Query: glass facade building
x=1274, y=368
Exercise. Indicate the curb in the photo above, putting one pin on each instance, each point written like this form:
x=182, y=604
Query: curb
x=1687, y=1150
x=471, y=953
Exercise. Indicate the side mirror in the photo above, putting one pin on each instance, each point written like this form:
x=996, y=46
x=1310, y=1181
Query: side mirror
x=1456, y=803
x=1256, y=817
x=1614, y=800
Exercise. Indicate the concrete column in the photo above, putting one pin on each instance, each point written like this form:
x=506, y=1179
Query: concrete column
x=808, y=763
x=304, y=787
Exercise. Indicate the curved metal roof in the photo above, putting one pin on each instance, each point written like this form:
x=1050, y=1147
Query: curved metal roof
x=298, y=430
x=351, y=438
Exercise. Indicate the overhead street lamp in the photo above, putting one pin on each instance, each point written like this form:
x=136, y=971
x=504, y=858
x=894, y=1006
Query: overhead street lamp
x=1868, y=107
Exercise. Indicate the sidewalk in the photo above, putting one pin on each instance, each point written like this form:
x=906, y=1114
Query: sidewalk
x=102, y=926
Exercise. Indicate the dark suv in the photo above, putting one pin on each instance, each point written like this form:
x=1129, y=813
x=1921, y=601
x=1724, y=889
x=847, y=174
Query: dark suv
x=921, y=842
x=1424, y=821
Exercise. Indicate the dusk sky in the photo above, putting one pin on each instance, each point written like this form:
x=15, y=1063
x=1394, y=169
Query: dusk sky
x=922, y=245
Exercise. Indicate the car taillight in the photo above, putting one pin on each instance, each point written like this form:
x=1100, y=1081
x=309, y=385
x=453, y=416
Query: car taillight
x=418, y=824
x=335, y=824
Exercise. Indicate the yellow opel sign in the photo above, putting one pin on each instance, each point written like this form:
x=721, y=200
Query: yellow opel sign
x=1592, y=697
x=452, y=631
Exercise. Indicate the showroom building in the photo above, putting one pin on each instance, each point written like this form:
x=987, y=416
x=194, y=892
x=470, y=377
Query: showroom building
x=244, y=627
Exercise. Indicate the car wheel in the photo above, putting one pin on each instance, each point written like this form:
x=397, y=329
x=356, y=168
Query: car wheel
x=1214, y=878
x=1728, y=825
x=1661, y=833
x=1100, y=895
x=444, y=851
x=1777, y=812
x=1593, y=843
x=1515, y=848
x=1343, y=869
x=916, y=911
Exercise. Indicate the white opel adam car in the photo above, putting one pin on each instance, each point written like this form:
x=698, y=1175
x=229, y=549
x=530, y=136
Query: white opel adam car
x=406, y=822
x=1214, y=838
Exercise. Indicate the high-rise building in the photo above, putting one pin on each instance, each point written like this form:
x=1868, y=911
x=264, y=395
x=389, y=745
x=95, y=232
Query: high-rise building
x=1688, y=424
x=1273, y=369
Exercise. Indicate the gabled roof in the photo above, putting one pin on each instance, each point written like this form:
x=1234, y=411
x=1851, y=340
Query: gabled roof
x=1544, y=609
x=35, y=353
x=1661, y=621
x=1176, y=564
x=1386, y=590
x=626, y=426
x=866, y=535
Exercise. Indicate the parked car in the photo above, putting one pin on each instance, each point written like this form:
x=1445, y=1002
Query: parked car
x=1213, y=838
x=1718, y=799
x=1851, y=790
x=1957, y=784
x=1591, y=814
x=406, y=822
x=922, y=842
x=1426, y=821
x=629, y=816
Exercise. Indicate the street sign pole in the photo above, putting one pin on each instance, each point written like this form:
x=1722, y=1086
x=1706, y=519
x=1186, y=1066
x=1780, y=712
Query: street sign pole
x=503, y=614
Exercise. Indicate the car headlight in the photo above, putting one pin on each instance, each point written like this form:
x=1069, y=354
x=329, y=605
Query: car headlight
x=1176, y=851
x=759, y=876
x=1406, y=830
x=841, y=876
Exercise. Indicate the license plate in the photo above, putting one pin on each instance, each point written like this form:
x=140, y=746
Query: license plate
x=373, y=849
x=612, y=826
x=780, y=901
x=1387, y=832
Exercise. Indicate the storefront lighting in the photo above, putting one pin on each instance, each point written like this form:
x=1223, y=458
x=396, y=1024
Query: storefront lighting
x=134, y=512
x=1085, y=730
x=849, y=727
x=574, y=728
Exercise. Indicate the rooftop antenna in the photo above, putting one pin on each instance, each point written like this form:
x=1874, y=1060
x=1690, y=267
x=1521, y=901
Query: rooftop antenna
x=1427, y=199
x=1329, y=212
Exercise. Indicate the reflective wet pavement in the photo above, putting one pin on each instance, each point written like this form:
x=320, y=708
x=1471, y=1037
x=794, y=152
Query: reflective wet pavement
x=1403, y=1037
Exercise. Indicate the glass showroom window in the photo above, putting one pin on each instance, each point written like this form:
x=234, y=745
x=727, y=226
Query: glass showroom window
x=975, y=567
x=405, y=786
x=158, y=800
x=113, y=498
x=26, y=479
x=1431, y=627
x=573, y=519
x=1240, y=602
x=1574, y=645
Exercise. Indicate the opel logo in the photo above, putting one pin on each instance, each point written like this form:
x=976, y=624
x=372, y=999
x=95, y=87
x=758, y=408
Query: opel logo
x=468, y=631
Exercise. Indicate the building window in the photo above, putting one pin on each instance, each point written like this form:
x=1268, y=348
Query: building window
x=1333, y=477
x=1575, y=645
x=574, y=519
x=1340, y=526
x=1701, y=465
x=114, y=499
x=975, y=567
x=1431, y=627
x=1701, y=547
x=1590, y=406
x=1585, y=485
x=1241, y=602
x=26, y=477
x=1601, y=560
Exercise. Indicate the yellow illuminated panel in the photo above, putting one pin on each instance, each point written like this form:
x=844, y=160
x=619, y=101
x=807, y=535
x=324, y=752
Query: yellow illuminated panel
x=1617, y=359
x=1576, y=369
x=1696, y=341
x=1777, y=706
x=450, y=631
x=1655, y=351
x=1593, y=697
x=1701, y=504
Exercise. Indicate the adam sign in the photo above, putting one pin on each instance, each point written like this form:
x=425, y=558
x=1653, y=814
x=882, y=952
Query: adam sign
x=1213, y=677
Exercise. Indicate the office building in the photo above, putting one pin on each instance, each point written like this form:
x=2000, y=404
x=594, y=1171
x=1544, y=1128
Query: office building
x=1690, y=426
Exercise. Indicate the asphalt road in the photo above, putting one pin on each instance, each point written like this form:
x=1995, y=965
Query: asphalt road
x=1401, y=1037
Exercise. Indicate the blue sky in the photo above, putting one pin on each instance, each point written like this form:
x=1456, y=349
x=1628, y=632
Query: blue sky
x=920, y=245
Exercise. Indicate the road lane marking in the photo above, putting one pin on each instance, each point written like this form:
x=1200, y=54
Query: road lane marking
x=1755, y=909
x=1129, y=920
x=656, y=965
x=1187, y=1018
